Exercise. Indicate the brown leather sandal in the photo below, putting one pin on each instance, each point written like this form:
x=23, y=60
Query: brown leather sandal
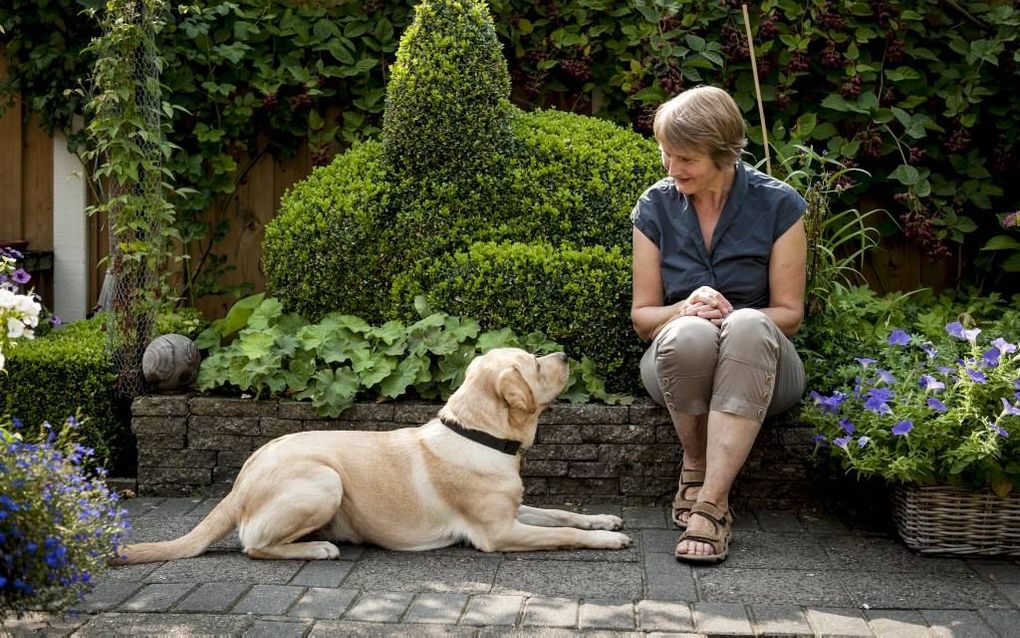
x=718, y=538
x=681, y=504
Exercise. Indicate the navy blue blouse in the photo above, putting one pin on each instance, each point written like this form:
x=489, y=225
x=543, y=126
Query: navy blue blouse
x=758, y=211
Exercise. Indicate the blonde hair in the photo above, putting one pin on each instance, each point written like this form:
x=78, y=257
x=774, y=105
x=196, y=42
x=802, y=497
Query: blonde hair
x=706, y=119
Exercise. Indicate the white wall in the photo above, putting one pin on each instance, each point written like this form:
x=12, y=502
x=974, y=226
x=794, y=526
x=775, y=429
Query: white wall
x=70, y=233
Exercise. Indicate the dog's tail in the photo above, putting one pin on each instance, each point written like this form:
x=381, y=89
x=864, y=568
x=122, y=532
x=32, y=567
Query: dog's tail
x=220, y=521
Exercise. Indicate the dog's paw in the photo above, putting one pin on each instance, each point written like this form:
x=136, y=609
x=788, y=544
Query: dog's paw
x=604, y=521
x=611, y=540
x=324, y=550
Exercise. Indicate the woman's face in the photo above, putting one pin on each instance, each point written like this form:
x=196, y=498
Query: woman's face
x=691, y=169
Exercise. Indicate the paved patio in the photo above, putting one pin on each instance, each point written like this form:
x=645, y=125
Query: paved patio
x=789, y=574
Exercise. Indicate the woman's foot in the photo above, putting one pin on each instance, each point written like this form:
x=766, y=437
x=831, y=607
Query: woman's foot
x=686, y=495
x=707, y=539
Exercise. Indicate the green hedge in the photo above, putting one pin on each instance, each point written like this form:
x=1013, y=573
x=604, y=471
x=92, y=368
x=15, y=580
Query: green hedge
x=578, y=297
x=67, y=371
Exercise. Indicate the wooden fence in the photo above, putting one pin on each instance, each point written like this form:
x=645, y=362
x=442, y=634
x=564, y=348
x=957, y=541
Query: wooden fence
x=26, y=212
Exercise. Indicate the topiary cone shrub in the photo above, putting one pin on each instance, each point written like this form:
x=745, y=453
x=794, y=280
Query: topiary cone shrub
x=537, y=204
x=448, y=106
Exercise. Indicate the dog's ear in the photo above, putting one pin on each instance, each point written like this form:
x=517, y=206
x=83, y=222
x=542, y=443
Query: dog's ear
x=515, y=390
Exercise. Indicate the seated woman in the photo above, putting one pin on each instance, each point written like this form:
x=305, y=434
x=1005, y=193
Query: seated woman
x=719, y=275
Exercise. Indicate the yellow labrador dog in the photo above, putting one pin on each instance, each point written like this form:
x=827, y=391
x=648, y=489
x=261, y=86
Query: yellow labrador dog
x=456, y=478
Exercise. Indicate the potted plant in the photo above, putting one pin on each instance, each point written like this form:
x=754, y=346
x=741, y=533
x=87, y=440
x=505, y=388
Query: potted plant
x=941, y=423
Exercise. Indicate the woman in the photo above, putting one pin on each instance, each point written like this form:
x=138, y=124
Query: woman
x=719, y=274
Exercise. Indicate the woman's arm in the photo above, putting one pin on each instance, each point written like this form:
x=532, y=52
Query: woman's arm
x=646, y=310
x=787, y=279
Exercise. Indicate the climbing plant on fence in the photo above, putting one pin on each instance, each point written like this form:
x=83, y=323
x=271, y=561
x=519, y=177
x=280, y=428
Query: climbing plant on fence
x=921, y=93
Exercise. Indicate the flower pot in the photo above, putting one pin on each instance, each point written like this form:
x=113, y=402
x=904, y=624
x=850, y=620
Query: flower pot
x=954, y=520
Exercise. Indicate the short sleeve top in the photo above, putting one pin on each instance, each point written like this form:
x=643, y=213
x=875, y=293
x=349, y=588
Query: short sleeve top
x=757, y=212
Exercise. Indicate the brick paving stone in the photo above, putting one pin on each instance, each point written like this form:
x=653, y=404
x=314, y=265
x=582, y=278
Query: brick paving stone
x=322, y=573
x=645, y=518
x=668, y=579
x=906, y=590
x=351, y=629
x=540, y=611
x=106, y=596
x=956, y=624
x=817, y=524
x=206, y=506
x=569, y=579
x=173, y=507
x=722, y=619
x=488, y=610
x=277, y=629
x=158, y=597
x=1010, y=592
x=268, y=599
x=778, y=521
x=232, y=567
x=132, y=624
x=780, y=620
x=324, y=603
x=141, y=506
x=128, y=573
x=1005, y=622
x=212, y=597
x=661, y=615
x=838, y=623
x=423, y=571
x=606, y=615
x=771, y=587
x=997, y=571
x=380, y=607
x=42, y=624
x=441, y=609
x=896, y=623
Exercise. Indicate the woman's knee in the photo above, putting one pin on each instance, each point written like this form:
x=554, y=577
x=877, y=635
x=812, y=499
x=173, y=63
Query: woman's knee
x=748, y=330
x=689, y=339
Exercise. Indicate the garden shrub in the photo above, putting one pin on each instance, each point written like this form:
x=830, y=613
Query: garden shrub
x=69, y=372
x=448, y=99
x=579, y=298
x=325, y=250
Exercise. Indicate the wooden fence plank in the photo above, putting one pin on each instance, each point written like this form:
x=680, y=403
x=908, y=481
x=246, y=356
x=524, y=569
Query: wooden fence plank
x=10, y=164
x=37, y=186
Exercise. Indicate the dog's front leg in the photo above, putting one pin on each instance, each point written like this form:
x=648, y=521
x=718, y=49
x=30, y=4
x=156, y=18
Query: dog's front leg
x=520, y=537
x=562, y=518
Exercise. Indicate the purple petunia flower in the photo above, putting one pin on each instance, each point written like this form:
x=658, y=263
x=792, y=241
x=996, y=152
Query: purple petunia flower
x=21, y=277
x=877, y=400
x=928, y=382
x=864, y=440
x=864, y=361
x=829, y=404
x=1013, y=410
x=1004, y=346
x=929, y=350
x=847, y=426
x=976, y=375
x=902, y=428
x=884, y=376
x=842, y=442
x=937, y=405
x=1001, y=431
x=819, y=438
x=56, y=321
x=991, y=357
x=898, y=338
x=957, y=330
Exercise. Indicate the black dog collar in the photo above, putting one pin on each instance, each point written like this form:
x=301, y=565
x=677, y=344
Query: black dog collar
x=500, y=445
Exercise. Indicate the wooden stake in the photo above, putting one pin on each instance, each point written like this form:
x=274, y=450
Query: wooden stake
x=757, y=91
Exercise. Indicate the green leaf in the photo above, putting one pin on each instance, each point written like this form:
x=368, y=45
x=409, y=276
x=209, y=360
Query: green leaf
x=905, y=174
x=237, y=316
x=1002, y=242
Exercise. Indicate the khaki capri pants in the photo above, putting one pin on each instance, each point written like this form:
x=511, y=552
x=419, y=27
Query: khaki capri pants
x=745, y=367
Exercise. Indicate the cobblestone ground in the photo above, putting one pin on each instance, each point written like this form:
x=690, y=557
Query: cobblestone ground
x=789, y=574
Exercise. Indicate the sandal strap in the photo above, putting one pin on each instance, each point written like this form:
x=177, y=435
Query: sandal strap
x=708, y=510
x=692, y=478
x=713, y=538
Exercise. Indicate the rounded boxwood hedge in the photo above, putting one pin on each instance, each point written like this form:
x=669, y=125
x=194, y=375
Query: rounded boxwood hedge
x=325, y=249
x=578, y=296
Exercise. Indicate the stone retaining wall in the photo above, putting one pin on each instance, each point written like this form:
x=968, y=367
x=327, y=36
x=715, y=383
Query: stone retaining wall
x=194, y=445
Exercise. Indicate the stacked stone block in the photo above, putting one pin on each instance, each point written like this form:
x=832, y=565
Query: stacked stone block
x=190, y=445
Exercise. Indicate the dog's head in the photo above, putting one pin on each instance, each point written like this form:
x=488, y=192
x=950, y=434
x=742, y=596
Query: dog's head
x=506, y=389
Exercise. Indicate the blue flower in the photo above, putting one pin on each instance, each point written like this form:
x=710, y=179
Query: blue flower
x=877, y=400
x=1013, y=410
x=1004, y=346
x=842, y=442
x=864, y=361
x=928, y=382
x=937, y=405
x=991, y=357
x=884, y=376
x=957, y=330
x=898, y=338
x=902, y=428
x=847, y=426
x=976, y=375
x=929, y=350
x=818, y=438
x=829, y=404
x=864, y=440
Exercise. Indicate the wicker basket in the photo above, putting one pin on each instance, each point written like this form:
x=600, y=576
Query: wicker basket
x=953, y=520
